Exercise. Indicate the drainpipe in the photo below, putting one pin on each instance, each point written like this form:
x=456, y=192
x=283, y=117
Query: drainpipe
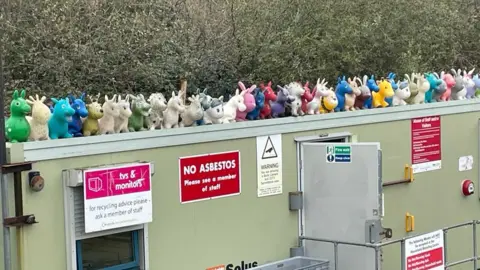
x=7, y=257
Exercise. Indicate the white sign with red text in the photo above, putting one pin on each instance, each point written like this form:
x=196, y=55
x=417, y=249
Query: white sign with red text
x=117, y=197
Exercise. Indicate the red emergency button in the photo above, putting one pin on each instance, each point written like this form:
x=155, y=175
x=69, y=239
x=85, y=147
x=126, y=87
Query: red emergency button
x=467, y=187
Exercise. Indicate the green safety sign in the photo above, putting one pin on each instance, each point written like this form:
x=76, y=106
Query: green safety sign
x=339, y=154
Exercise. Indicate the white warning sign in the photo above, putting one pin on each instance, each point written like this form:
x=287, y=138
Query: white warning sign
x=269, y=165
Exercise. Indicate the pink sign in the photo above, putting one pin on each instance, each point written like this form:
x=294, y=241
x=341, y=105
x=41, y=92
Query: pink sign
x=108, y=182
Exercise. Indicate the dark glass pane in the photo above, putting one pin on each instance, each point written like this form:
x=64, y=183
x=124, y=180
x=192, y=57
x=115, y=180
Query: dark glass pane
x=105, y=251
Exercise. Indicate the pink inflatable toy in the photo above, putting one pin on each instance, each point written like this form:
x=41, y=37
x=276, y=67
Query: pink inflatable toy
x=248, y=100
x=450, y=82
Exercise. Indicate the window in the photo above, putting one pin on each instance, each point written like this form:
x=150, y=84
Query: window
x=110, y=252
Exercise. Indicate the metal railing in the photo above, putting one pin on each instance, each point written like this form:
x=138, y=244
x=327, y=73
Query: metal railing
x=378, y=246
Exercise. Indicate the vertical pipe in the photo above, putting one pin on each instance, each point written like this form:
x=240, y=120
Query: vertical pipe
x=335, y=255
x=3, y=159
x=445, y=246
x=474, y=227
x=377, y=258
x=402, y=255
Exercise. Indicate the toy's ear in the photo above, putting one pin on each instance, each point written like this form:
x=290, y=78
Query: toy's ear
x=269, y=84
x=71, y=98
x=173, y=94
x=343, y=78
x=15, y=94
x=190, y=99
x=82, y=97
x=339, y=79
x=242, y=86
x=253, y=87
x=43, y=99
x=306, y=84
x=237, y=92
x=220, y=98
x=372, y=77
x=22, y=94
x=54, y=100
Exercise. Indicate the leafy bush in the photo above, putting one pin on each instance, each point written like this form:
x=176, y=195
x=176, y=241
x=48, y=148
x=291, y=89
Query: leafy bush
x=58, y=46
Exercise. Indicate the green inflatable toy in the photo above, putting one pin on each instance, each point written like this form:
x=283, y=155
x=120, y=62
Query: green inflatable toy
x=17, y=128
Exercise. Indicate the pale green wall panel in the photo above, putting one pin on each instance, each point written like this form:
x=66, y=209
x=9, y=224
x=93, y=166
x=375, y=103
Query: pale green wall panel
x=203, y=234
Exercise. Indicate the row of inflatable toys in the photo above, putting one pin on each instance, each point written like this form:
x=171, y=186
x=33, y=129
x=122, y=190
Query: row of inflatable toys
x=32, y=120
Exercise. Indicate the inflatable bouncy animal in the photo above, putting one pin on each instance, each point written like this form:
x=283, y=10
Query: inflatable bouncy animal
x=193, y=112
x=283, y=98
x=418, y=87
x=372, y=85
x=39, y=120
x=401, y=94
x=442, y=88
x=259, y=104
x=248, y=100
x=140, y=109
x=459, y=91
x=62, y=115
x=295, y=90
x=174, y=108
x=329, y=102
x=158, y=104
x=95, y=112
x=214, y=113
x=350, y=98
x=341, y=90
x=476, y=80
x=110, y=109
x=391, y=79
x=435, y=91
x=469, y=83
x=270, y=96
x=121, y=121
x=17, y=128
x=365, y=93
x=232, y=106
x=320, y=90
x=78, y=104
x=307, y=97
x=386, y=91
x=449, y=83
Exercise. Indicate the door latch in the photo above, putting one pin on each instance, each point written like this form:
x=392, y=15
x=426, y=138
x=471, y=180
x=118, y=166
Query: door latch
x=374, y=232
x=386, y=233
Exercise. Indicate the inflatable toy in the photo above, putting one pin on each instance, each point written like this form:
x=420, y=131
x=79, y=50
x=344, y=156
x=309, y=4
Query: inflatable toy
x=95, y=112
x=78, y=104
x=295, y=90
x=365, y=93
x=120, y=122
x=214, y=114
x=248, y=101
x=320, y=90
x=193, y=112
x=158, y=104
x=174, y=108
x=401, y=94
x=278, y=106
x=386, y=91
x=306, y=97
x=459, y=91
x=17, y=128
x=341, y=90
x=270, y=96
x=259, y=104
x=329, y=102
x=351, y=98
x=61, y=116
x=106, y=124
x=39, y=119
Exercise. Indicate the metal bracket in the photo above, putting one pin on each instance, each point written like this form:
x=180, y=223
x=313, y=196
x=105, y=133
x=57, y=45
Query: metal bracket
x=373, y=228
x=19, y=221
x=295, y=200
x=16, y=167
x=374, y=232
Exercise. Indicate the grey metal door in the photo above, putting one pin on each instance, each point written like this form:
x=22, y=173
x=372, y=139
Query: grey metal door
x=342, y=200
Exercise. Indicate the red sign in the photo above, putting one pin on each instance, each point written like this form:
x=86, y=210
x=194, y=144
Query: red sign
x=209, y=176
x=427, y=260
x=426, y=144
x=107, y=182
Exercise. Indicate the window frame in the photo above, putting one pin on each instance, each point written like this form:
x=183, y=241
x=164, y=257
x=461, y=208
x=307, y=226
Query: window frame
x=124, y=266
